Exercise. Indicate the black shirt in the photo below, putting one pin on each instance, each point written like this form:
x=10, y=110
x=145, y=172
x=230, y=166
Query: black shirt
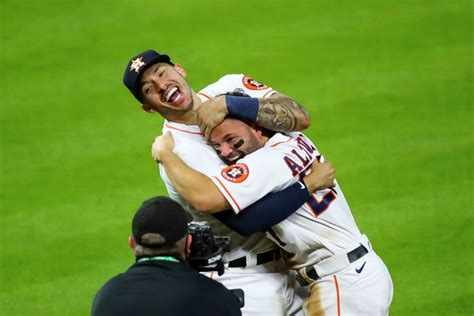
x=163, y=288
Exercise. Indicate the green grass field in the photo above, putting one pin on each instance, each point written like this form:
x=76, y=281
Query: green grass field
x=388, y=84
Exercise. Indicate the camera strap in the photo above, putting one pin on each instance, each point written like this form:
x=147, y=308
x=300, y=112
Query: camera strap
x=159, y=258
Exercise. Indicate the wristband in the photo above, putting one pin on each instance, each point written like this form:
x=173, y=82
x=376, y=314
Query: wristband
x=242, y=108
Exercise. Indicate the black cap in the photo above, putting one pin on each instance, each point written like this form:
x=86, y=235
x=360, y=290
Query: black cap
x=160, y=215
x=137, y=65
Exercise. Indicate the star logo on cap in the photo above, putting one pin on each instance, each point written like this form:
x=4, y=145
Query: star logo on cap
x=137, y=64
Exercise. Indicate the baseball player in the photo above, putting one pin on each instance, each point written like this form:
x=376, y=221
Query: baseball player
x=252, y=263
x=325, y=246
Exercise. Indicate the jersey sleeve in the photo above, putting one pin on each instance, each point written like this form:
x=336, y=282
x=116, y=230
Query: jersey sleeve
x=237, y=83
x=196, y=153
x=247, y=181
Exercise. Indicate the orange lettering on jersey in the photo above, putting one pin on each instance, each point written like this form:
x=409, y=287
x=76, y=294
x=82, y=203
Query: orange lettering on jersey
x=294, y=167
x=235, y=173
x=253, y=84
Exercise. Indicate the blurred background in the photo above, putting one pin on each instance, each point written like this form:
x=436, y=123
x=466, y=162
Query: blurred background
x=388, y=85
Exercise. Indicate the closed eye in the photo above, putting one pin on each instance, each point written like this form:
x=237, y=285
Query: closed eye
x=215, y=146
x=230, y=139
x=146, y=90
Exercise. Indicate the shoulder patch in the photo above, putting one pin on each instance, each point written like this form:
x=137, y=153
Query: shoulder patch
x=236, y=173
x=253, y=84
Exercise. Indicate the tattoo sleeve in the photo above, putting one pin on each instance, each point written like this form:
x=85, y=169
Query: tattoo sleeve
x=282, y=114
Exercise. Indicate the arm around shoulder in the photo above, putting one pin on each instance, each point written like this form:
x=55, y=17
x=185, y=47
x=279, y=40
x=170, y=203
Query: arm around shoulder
x=194, y=187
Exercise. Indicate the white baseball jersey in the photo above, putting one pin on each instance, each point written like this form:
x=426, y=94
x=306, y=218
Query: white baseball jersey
x=323, y=228
x=236, y=83
x=266, y=288
x=320, y=228
x=193, y=149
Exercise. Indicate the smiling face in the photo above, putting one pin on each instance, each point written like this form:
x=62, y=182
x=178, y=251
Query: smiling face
x=164, y=89
x=233, y=139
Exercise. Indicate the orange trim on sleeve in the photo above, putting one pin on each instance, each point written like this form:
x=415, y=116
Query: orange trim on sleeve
x=184, y=131
x=338, y=297
x=286, y=141
x=204, y=95
x=271, y=90
x=230, y=195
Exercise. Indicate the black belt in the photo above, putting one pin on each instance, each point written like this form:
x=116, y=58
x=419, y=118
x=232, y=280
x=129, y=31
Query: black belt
x=353, y=255
x=262, y=258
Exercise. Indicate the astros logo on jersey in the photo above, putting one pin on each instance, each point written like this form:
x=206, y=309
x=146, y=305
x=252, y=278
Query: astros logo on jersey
x=253, y=84
x=236, y=173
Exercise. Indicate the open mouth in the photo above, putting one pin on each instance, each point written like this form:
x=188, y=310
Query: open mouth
x=173, y=95
x=235, y=157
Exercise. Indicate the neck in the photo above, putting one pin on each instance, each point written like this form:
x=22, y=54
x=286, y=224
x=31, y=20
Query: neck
x=264, y=140
x=157, y=258
x=188, y=118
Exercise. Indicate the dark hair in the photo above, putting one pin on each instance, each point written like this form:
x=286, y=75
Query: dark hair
x=175, y=250
x=236, y=93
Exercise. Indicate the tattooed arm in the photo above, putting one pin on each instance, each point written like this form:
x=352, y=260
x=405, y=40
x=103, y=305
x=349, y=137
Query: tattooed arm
x=278, y=113
x=282, y=114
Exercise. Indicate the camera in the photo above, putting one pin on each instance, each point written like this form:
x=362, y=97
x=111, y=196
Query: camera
x=207, y=250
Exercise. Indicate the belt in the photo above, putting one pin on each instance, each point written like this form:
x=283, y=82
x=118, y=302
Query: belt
x=262, y=258
x=307, y=275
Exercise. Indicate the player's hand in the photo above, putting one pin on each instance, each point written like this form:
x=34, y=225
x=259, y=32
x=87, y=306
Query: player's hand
x=211, y=113
x=321, y=177
x=161, y=146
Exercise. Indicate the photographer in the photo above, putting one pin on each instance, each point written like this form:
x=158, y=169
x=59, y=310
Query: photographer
x=161, y=282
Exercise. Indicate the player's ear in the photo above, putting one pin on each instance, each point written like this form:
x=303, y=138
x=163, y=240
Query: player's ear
x=179, y=68
x=148, y=108
x=257, y=130
x=189, y=240
x=131, y=242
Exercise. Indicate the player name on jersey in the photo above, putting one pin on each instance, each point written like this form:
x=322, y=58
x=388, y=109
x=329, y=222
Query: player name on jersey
x=308, y=151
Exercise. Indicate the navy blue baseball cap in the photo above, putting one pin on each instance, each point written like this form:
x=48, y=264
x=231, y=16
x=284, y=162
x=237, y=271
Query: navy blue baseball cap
x=137, y=66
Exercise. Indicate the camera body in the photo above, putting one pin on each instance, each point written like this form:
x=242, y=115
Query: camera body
x=207, y=250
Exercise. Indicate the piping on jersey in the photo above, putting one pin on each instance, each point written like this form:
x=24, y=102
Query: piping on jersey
x=182, y=130
x=268, y=93
x=282, y=142
x=230, y=195
x=204, y=95
x=338, y=297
